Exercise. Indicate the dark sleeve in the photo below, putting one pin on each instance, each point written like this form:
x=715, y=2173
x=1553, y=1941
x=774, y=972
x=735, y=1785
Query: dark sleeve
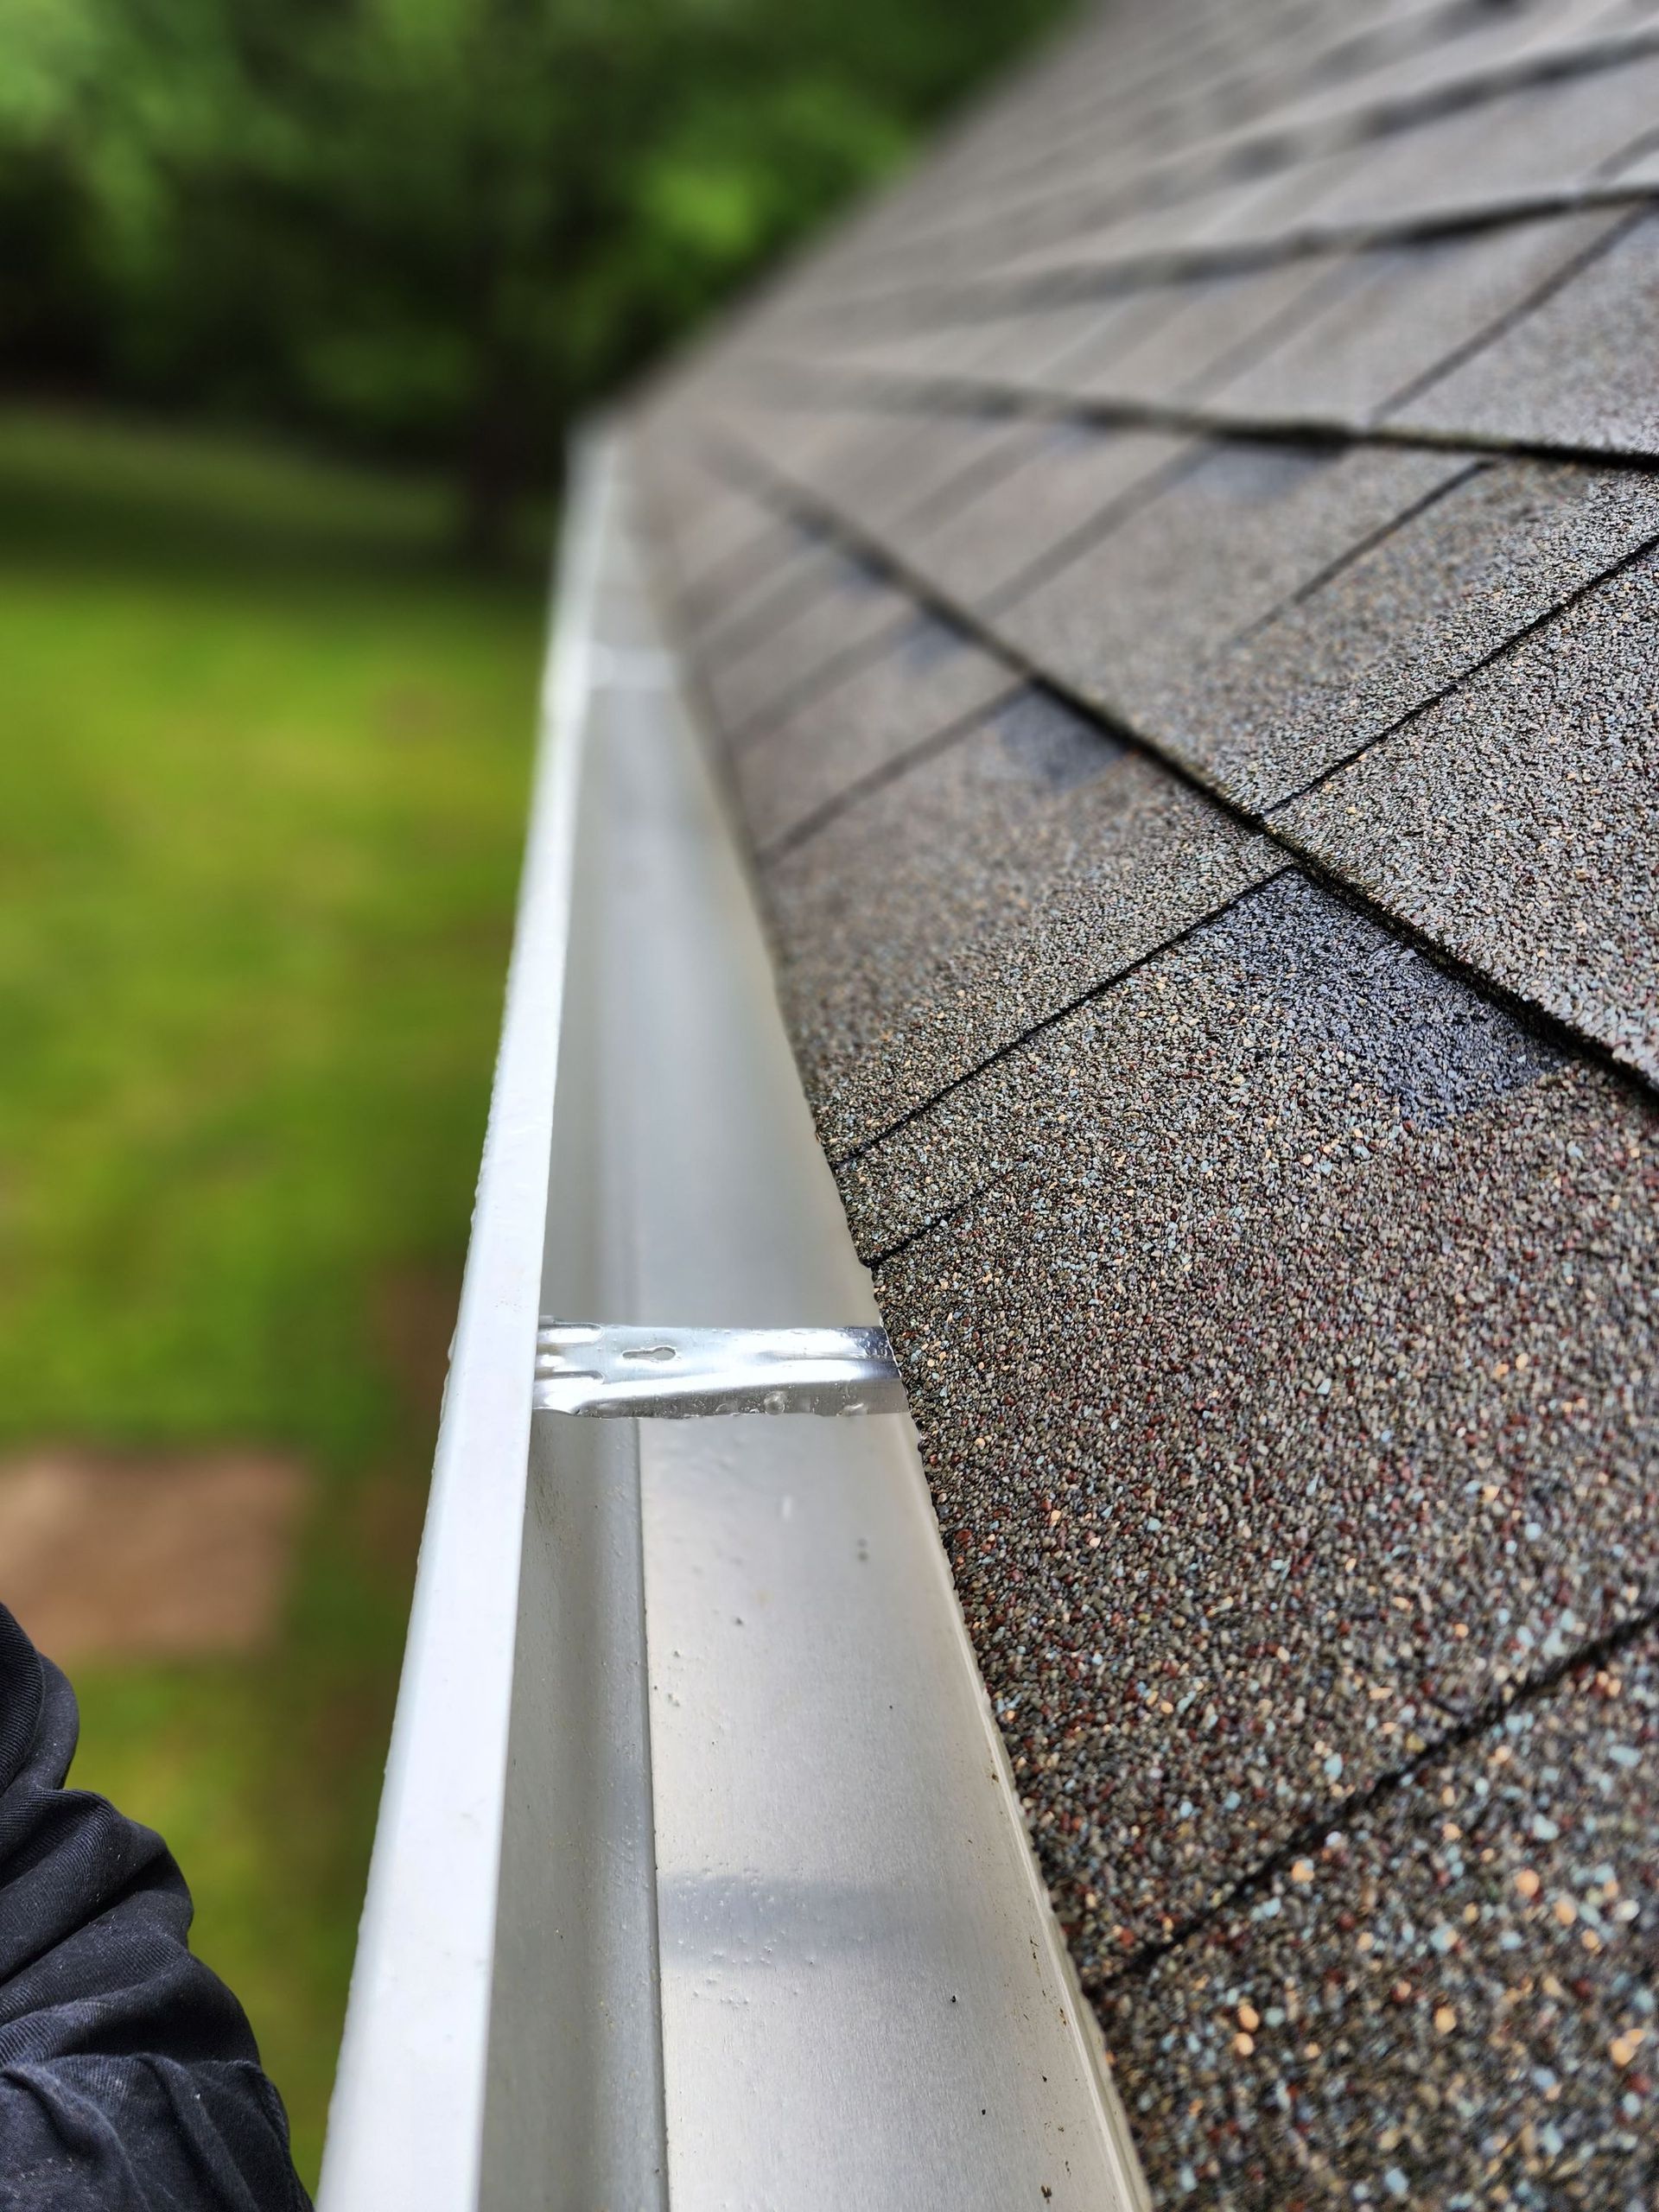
x=130, y=2081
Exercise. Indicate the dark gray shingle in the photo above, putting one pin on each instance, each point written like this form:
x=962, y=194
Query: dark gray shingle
x=928, y=677
x=931, y=924
x=1451, y=1990
x=1517, y=822
x=1403, y=311
x=1397, y=624
x=1579, y=372
x=1231, y=538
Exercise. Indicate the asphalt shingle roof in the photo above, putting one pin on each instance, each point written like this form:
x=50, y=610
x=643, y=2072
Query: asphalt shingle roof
x=1392, y=318
x=1071, y=484
x=1578, y=371
x=924, y=682
x=1177, y=584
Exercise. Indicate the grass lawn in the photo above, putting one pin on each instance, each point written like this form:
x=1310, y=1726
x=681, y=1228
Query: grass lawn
x=261, y=794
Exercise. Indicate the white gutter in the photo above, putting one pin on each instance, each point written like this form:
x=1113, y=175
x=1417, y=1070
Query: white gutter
x=406, y=2119
x=763, y=1929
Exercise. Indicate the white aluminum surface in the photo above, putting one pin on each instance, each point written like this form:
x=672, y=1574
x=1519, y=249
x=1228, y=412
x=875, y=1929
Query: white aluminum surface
x=406, y=2120
x=770, y=1936
x=608, y=1371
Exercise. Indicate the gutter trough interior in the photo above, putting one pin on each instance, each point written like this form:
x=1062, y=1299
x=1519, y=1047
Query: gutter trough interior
x=767, y=1927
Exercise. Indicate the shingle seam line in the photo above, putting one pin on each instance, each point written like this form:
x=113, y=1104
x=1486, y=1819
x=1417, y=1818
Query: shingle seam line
x=728, y=572
x=1309, y=1837
x=1117, y=512
x=1509, y=644
x=887, y=390
x=979, y=474
x=1538, y=1019
x=1533, y=1020
x=952, y=1212
x=972, y=621
x=1082, y=131
x=823, y=676
x=1286, y=323
x=890, y=771
x=993, y=298
x=1529, y=1015
x=1275, y=151
x=1513, y=317
x=1275, y=148
x=751, y=623
x=1633, y=149
x=1047, y=1021
x=1368, y=543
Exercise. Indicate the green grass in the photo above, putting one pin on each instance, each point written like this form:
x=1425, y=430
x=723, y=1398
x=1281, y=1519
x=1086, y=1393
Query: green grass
x=261, y=794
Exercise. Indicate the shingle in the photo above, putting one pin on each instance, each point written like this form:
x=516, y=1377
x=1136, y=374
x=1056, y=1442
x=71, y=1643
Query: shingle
x=1201, y=142
x=1301, y=1319
x=907, y=462
x=928, y=353
x=983, y=232
x=1398, y=624
x=1517, y=821
x=987, y=448
x=1103, y=331
x=928, y=677
x=1517, y=145
x=1577, y=371
x=1542, y=139
x=1021, y=350
x=701, y=524
x=1215, y=210
x=1453, y=1991
x=1364, y=984
x=1212, y=325
x=1403, y=311
x=747, y=569
x=855, y=445
x=1638, y=162
x=1434, y=1046
x=933, y=921
x=1475, y=46
x=1026, y=350
x=775, y=578
x=1073, y=479
x=1220, y=547
x=867, y=455
x=1484, y=154
x=842, y=610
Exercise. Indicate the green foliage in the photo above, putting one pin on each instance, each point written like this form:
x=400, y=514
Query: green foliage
x=437, y=227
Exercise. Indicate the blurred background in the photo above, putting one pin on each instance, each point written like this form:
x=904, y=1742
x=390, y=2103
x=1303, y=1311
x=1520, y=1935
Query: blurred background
x=298, y=300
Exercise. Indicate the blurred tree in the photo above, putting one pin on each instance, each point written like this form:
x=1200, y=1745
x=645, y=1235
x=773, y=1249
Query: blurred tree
x=435, y=228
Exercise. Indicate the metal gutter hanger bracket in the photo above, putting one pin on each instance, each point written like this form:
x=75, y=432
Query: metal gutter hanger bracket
x=611, y=1370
